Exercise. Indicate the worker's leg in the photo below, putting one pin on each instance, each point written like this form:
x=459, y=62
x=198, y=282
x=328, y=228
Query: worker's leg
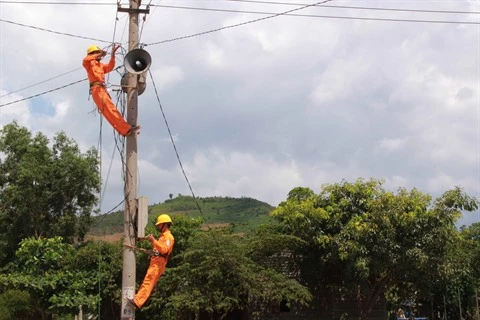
x=153, y=274
x=108, y=109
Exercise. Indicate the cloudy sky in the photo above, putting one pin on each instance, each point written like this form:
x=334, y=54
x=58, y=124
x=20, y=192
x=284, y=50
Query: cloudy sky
x=258, y=108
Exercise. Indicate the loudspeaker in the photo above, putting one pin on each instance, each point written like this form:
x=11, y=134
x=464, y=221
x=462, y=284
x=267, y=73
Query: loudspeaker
x=137, y=61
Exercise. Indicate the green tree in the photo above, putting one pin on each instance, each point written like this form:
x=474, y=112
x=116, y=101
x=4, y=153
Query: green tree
x=216, y=276
x=471, y=234
x=459, y=276
x=17, y=304
x=363, y=241
x=45, y=269
x=44, y=191
x=50, y=279
x=103, y=261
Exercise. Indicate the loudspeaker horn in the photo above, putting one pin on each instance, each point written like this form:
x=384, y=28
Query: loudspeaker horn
x=137, y=61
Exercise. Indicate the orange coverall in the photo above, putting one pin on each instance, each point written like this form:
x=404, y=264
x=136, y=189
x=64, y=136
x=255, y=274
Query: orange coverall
x=164, y=246
x=96, y=76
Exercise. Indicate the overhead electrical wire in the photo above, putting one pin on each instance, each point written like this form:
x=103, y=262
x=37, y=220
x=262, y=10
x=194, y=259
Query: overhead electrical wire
x=175, y=147
x=287, y=13
x=39, y=94
x=100, y=139
x=238, y=24
x=119, y=145
x=52, y=31
x=145, y=18
x=60, y=2
x=38, y=83
x=355, y=7
x=313, y=16
x=254, y=2
x=271, y=15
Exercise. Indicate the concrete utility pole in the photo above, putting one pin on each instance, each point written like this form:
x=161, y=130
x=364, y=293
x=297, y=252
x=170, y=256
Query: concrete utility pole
x=129, y=267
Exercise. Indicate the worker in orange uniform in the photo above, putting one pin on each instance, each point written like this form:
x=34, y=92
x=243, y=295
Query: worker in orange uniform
x=162, y=248
x=96, y=76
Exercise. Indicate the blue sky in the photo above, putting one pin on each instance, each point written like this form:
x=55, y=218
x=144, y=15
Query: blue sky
x=258, y=109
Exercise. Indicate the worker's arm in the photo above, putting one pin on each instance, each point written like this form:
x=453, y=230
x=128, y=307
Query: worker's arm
x=87, y=61
x=111, y=64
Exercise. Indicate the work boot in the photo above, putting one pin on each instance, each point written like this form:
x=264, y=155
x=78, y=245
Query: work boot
x=132, y=302
x=133, y=129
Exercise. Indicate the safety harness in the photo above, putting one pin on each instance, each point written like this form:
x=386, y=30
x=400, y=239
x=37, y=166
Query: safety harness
x=97, y=83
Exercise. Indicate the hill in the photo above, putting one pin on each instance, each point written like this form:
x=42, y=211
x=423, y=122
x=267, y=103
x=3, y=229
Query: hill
x=243, y=214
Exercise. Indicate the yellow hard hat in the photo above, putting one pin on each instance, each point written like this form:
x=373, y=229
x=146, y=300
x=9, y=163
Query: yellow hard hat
x=163, y=218
x=93, y=49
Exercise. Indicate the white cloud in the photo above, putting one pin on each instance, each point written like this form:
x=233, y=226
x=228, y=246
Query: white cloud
x=166, y=77
x=391, y=144
x=242, y=174
x=342, y=78
x=443, y=182
x=18, y=111
x=215, y=56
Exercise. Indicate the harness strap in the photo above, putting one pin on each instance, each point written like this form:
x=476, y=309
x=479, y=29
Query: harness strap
x=97, y=83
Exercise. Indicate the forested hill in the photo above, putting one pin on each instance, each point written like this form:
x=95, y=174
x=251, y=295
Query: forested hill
x=242, y=214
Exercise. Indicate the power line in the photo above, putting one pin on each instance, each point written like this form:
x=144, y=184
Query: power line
x=175, y=147
x=239, y=24
x=39, y=94
x=357, y=8
x=38, y=83
x=272, y=15
x=52, y=31
x=305, y=15
x=249, y=1
x=172, y=140
x=58, y=2
x=145, y=18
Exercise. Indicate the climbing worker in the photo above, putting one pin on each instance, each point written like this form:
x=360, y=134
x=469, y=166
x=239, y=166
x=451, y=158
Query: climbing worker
x=162, y=248
x=96, y=76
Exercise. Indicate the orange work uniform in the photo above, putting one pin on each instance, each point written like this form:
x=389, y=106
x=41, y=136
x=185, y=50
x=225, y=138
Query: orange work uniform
x=96, y=76
x=163, y=246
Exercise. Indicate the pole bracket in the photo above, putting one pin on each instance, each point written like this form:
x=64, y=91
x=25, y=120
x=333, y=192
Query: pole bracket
x=131, y=10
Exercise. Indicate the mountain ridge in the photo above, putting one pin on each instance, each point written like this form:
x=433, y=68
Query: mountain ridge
x=242, y=214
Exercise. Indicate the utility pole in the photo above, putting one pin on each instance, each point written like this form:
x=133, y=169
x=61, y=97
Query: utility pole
x=130, y=192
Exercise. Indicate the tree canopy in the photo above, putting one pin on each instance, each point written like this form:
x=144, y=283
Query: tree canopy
x=362, y=241
x=47, y=188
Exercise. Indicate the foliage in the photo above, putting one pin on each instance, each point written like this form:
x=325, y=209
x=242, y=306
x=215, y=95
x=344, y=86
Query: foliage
x=368, y=240
x=216, y=276
x=43, y=269
x=460, y=273
x=17, y=304
x=44, y=191
x=55, y=279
